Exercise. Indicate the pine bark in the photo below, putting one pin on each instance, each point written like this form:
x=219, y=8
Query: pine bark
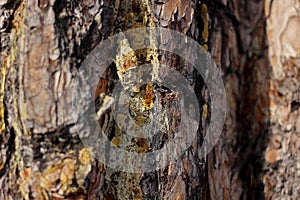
x=253, y=43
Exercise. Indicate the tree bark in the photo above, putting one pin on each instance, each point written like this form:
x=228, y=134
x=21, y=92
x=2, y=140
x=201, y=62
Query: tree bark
x=44, y=43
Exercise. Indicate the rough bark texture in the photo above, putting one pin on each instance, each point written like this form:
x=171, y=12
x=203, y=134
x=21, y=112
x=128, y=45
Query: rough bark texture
x=282, y=178
x=240, y=46
x=253, y=43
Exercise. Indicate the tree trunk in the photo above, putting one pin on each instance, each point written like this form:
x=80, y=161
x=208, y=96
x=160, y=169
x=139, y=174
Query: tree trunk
x=46, y=47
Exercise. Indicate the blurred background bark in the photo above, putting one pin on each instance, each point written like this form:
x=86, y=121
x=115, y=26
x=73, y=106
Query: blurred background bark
x=254, y=44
